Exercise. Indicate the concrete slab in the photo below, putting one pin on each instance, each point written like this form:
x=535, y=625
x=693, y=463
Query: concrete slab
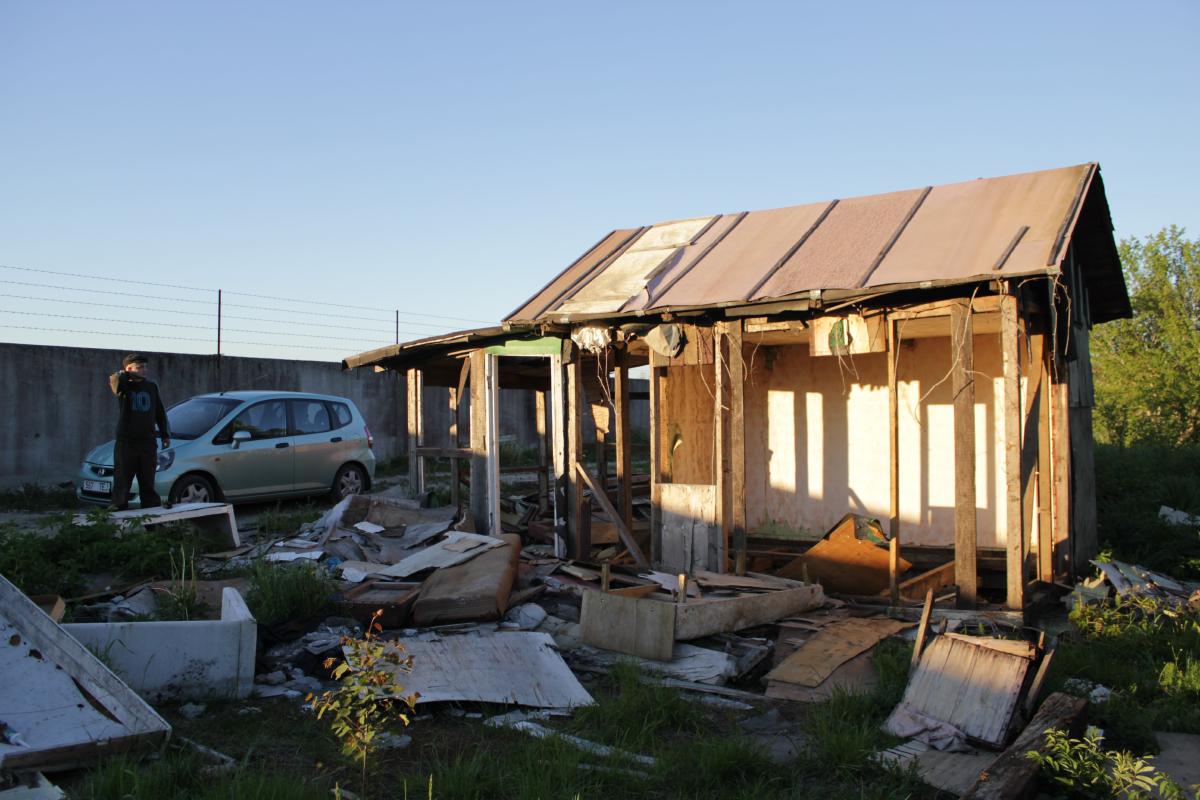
x=1179, y=757
x=180, y=660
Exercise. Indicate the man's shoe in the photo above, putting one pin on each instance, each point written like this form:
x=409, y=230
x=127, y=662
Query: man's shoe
x=167, y=505
x=116, y=508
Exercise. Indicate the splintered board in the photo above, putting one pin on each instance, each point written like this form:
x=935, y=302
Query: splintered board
x=971, y=682
x=833, y=646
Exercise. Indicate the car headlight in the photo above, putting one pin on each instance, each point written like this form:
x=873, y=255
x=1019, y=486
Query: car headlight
x=165, y=459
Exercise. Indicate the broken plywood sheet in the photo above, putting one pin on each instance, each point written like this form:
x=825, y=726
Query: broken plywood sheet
x=844, y=564
x=966, y=682
x=689, y=529
x=856, y=676
x=955, y=773
x=61, y=707
x=519, y=668
x=630, y=625
x=446, y=553
x=833, y=646
x=475, y=590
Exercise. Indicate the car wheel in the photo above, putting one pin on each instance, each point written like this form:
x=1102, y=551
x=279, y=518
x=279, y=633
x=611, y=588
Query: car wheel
x=193, y=489
x=350, y=479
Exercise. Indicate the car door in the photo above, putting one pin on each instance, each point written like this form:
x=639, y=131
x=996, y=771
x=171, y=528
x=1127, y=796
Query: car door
x=263, y=464
x=316, y=444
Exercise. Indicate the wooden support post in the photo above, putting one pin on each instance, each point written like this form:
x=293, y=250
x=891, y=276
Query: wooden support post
x=622, y=434
x=922, y=628
x=580, y=546
x=539, y=404
x=1010, y=349
x=1045, y=492
x=965, y=533
x=1030, y=436
x=558, y=425
x=1060, y=448
x=721, y=465
x=893, y=352
x=416, y=472
x=492, y=374
x=737, y=441
x=656, y=427
x=455, y=491
x=479, y=443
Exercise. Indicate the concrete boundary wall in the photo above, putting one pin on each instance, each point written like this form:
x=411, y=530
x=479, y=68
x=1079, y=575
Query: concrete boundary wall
x=57, y=405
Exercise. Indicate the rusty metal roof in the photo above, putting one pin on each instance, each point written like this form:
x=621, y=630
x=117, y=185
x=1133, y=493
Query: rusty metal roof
x=967, y=232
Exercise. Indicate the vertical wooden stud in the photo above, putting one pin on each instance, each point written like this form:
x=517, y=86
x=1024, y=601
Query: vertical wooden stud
x=965, y=531
x=893, y=351
x=622, y=431
x=656, y=428
x=491, y=366
x=479, y=443
x=718, y=556
x=1045, y=491
x=539, y=404
x=1010, y=349
x=737, y=440
x=576, y=508
x=558, y=427
x=455, y=491
x=413, y=389
x=1060, y=447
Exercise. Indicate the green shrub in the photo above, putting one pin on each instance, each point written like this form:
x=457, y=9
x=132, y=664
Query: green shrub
x=1086, y=770
x=282, y=592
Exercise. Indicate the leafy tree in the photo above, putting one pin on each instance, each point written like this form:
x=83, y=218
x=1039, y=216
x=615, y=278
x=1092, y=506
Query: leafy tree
x=1147, y=369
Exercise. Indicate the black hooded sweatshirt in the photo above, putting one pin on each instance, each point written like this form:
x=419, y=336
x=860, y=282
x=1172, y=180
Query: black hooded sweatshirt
x=141, y=408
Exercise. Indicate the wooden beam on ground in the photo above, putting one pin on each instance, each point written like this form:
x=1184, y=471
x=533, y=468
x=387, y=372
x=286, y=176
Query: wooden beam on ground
x=737, y=439
x=622, y=433
x=580, y=546
x=1010, y=349
x=656, y=376
x=479, y=444
x=965, y=526
x=721, y=466
x=539, y=412
x=606, y=506
x=893, y=353
x=1013, y=774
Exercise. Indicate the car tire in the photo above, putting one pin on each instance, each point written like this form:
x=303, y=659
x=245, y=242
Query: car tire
x=350, y=479
x=193, y=489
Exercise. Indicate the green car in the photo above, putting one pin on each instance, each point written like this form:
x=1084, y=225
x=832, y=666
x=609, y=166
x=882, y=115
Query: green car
x=241, y=446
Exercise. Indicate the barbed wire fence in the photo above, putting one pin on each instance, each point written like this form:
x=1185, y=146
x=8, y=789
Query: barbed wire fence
x=120, y=313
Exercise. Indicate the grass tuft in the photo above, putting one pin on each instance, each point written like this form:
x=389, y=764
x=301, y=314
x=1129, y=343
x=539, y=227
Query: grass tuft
x=281, y=592
x=183, y=777
x=637, y=710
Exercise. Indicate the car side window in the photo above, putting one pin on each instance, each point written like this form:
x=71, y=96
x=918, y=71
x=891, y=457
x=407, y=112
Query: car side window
x=263, y=420
x=342, y=415
x=309, y=416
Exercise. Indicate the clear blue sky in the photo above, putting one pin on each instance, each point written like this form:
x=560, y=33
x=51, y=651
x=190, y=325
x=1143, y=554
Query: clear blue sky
x=448, y=158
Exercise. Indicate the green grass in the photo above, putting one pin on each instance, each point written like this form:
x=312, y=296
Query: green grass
x=32, y=497
x=61, y=563
x=1131, y=484
x=287, y=521
x=182, y=777
x=637, y=712
x=282, y=592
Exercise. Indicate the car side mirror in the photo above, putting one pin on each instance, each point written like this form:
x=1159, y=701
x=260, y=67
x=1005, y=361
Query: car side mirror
x=239, y=437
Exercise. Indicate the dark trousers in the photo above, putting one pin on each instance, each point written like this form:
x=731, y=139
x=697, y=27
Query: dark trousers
x=135, y=460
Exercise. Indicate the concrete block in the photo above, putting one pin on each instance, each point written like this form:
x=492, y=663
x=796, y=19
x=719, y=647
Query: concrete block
x=180, y=660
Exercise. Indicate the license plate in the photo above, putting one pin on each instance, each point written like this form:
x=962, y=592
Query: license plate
x=103, y=487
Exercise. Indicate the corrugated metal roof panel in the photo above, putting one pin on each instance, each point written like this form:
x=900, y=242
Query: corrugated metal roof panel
x=732, y=269
x=962, y=230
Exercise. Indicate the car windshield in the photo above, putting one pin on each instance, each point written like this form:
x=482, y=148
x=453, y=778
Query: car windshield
x=192, y=418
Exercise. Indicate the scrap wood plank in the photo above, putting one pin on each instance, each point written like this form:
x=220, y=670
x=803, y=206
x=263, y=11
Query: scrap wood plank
x=965, y=683
x=475, y=590
x=724, y=615
x=631, y=625
x=856, y=676
x=833, y=646
x=519, y=668
x=936, y=578
x=845, y=564
x=606, y=505
x=950, y=772
x=441, y=554
x=1013, y=774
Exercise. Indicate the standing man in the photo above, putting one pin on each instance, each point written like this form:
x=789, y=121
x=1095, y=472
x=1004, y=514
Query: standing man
x=135, y=454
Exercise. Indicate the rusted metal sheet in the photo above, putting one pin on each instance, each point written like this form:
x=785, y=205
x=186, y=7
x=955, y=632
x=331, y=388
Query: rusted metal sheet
x=938, y=236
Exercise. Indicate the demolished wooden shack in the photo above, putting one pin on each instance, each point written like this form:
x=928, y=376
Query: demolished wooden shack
x=920, y=357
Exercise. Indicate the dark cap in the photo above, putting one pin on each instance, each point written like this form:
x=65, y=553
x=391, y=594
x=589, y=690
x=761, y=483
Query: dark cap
x=134, y=358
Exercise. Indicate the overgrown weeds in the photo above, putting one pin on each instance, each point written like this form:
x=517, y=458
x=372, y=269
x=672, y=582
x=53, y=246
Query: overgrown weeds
x=60, y=563
x=1148, y=654
x=287, y=521
x=32, y=497
x=638, y=711
x=281, y=592
x=183, y=777
x=1086, y=770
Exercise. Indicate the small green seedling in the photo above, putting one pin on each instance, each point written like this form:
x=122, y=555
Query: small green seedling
x=368, y=697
